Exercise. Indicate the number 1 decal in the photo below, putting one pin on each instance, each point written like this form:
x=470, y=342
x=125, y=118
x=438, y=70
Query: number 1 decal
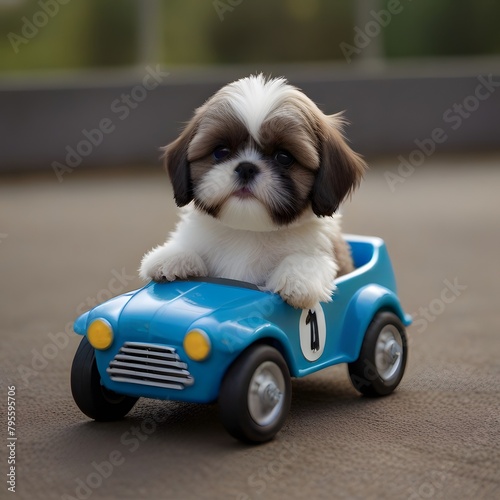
x=312, y=320
x=312, y=331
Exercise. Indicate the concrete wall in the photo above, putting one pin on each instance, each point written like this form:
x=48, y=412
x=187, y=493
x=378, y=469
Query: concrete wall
x=42, y=121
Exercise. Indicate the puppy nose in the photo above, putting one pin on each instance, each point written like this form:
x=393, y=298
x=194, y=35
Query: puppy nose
x=246, y=171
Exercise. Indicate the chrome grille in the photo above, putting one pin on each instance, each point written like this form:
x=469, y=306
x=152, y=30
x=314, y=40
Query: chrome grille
x=150, y=364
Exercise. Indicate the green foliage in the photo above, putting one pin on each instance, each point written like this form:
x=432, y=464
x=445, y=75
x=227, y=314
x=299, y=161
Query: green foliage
x=444, y=28
x=94, y=33
x=46, y=34
x=273, y=31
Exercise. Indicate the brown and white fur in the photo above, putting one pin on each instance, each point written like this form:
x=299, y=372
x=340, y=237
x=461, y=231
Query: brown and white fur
x=260, y=172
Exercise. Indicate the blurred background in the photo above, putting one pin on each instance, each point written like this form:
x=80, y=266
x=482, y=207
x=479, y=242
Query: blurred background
x=397, y=67
x=118, y=33
x=89, y=92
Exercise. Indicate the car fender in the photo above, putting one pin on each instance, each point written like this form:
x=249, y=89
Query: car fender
x=81, y=323
x=363, y=306
x=232, y=338
x=109, y=310
x=275, y=337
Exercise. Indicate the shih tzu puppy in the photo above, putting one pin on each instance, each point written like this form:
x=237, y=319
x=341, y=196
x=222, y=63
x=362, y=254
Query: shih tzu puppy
x=260, y=172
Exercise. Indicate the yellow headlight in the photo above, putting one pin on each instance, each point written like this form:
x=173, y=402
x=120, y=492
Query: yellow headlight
x=197, y=345
x=100, y=334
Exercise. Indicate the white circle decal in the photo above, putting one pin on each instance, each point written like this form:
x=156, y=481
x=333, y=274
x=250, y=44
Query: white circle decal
x=312, y=330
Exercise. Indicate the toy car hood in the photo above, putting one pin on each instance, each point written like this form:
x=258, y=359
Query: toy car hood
x=182, y=305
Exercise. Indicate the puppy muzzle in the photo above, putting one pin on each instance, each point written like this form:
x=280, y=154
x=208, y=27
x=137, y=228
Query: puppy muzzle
x=246, y=172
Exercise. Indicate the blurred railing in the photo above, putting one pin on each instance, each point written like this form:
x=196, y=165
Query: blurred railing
x=413, y=110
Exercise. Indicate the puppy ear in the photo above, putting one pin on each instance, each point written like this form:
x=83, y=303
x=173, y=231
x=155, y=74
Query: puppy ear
x=177, y=165
x=340, y=170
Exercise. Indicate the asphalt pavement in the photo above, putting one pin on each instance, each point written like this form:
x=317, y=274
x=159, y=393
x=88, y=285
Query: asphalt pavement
x=67, y=245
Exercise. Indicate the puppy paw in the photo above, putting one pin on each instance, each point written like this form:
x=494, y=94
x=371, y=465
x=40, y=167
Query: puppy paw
x=162, y=265
x=300, y=294
x=303, y=283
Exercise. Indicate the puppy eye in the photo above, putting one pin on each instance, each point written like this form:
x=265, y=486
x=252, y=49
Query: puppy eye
x=221, y=152
x=284, y=158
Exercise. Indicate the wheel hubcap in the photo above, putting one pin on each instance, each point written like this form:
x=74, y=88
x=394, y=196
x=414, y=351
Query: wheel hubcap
x=266, y=393
x=389, y=352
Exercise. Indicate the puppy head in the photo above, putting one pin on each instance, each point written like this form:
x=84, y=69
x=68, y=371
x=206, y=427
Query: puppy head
x=259, y=153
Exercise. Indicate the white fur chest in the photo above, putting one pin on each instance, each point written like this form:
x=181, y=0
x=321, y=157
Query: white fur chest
x=248, y=255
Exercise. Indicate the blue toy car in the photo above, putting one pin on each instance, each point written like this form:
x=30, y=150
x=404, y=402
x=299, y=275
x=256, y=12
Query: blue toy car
x=206, y=340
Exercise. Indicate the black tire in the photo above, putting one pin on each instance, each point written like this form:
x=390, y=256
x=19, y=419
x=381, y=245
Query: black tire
x=250, y=411
x=382, y=360
x=92, y=398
